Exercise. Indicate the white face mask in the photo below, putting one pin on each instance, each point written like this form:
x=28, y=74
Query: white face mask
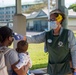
x=53, y=25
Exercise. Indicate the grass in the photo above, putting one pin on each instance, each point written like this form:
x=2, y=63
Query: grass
x=75, y=33
x=38, y=56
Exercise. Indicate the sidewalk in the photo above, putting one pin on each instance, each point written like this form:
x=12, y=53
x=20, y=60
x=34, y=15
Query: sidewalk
x=41, y=71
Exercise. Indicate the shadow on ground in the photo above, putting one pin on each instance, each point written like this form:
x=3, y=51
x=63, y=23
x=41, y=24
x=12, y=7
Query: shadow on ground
x=38, y=66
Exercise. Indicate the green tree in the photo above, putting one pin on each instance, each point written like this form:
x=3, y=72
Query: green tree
x=74, y=9
x=40, y=5
x=36, y=8
x=73, y=6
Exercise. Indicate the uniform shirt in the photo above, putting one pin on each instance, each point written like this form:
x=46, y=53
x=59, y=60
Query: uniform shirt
x=39, y=38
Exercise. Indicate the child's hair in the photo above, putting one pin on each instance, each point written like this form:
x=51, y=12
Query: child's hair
x=22, y=46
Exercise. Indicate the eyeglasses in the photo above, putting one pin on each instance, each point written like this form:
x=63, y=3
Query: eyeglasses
x=12, y=35
x=52, y=19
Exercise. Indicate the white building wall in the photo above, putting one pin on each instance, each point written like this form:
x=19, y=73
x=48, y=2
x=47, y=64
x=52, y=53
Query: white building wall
x=29, y=24
x=6, y=13
x=71, y=21
x=72, y=24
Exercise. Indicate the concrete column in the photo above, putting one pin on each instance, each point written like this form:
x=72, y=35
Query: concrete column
x=19, y=26
x=18, y=7
x=60, y=4
x=19, y=21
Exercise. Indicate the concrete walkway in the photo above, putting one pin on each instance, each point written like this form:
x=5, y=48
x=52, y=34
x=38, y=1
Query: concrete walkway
x=42, y=71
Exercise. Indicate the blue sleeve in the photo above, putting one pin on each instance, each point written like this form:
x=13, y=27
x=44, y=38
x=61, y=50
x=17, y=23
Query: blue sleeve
x=39, y=38
x=72, y=46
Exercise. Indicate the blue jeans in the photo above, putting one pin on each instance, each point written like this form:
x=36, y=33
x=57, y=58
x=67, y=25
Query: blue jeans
x=28, y=73
x=14, y=73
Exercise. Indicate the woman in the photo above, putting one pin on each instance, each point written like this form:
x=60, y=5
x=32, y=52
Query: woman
x=60, y=44
x=11, y=57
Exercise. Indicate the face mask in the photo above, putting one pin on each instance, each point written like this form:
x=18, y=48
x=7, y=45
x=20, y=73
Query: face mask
x=53, y=25
x=11, y=41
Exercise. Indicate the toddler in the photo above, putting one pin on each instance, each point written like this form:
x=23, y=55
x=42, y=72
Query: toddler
x=22, y=47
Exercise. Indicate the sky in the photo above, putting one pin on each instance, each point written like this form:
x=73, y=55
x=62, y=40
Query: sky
x=9, y=2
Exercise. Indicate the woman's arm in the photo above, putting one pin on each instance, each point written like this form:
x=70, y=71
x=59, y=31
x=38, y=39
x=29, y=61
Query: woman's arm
x=20, y=71
x=39, y=38
x=72, y=46
x=13, y=58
